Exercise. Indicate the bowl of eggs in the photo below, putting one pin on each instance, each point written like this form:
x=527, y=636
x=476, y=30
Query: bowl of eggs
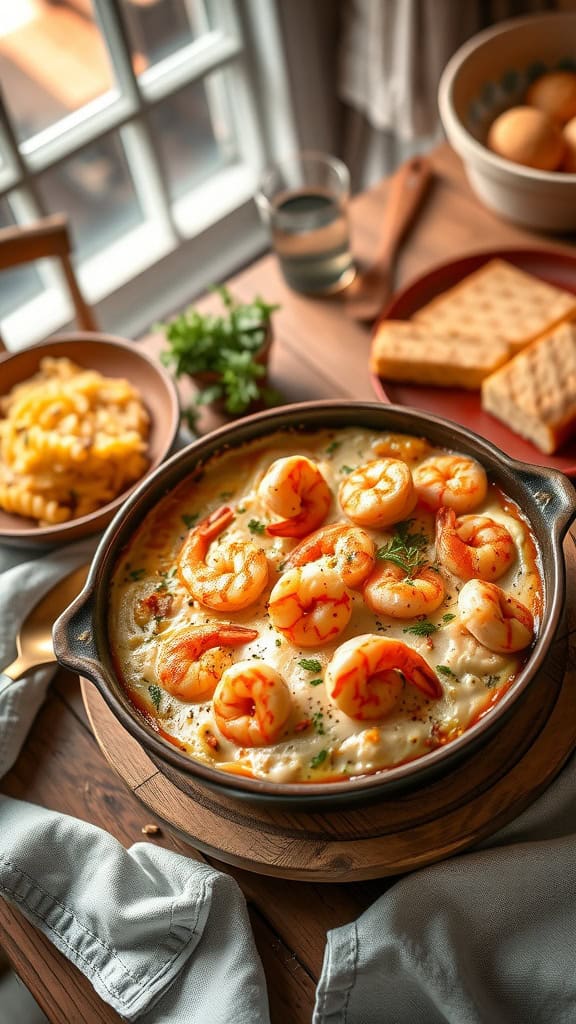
x=507, y=102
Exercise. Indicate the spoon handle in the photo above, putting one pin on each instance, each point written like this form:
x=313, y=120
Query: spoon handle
x=20, y=668
x=407, y=189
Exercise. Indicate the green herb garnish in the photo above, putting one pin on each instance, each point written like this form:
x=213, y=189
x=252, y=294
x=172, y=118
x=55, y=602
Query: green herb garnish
x=155, y=695
x=333, y=447
x=318, y=723
x=189, y=520
x=448, y=617
x=405, y=549
x=491, y=681
x=319, y=759
x=315, y=682
x=445, y=671
x=310, y=664
x=255, y=526
x=136, y=574
x=346, y=469
x=225, y=345
x=425, y=628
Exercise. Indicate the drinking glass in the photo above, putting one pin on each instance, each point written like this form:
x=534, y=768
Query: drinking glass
x=304, y=200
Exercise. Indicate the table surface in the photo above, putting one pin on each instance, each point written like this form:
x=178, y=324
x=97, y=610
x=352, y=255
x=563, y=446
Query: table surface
x=318, y=353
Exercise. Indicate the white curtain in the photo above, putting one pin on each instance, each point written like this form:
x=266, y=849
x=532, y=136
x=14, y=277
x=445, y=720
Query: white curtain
x=392, y=53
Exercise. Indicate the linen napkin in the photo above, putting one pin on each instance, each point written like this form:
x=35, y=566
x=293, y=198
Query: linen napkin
x=161, y=937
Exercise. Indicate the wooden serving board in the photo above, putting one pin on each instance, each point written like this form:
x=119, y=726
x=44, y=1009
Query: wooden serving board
x=399, y=834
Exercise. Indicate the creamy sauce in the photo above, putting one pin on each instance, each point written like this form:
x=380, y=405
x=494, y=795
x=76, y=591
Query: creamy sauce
x=319, y=742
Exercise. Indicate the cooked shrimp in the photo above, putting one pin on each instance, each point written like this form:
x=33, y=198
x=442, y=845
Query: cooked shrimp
x=236, y=573
x=252, y=704
x=349, y=549
x=366, y=676
x=310, y=605
x=294, y=488
x=401, y=446
x=378, y=493
x=473, y=546
x=496, y=619
x=190, y=665
x=451, y=480
x=389, y=591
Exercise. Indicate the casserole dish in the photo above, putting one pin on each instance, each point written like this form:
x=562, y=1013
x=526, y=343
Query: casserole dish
x=546, y=499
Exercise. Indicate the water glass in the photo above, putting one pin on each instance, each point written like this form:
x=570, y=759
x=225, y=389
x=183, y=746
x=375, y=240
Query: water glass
x=304, y=200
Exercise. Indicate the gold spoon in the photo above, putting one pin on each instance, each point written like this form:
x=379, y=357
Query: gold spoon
x=34, y=639
x=366, y=296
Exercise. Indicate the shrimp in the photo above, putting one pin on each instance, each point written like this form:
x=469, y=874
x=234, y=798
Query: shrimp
x=367, y=674
x=294, y=488
x=189, y=665
x=310, y=605
x=378, y=493
x=473, y=546
x=350, y=550
x=236, y=574
x=451, y=480
x=389, y=591
x=495, y=619
x=402, y=446
x=252, y=704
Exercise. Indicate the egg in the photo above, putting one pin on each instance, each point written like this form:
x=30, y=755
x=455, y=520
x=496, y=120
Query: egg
x=555, y=94
x=569, y=133
x=527, y=136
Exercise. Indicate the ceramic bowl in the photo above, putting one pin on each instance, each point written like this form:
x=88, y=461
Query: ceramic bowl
x=81, y=640
x=112, y=357
x=486, y=76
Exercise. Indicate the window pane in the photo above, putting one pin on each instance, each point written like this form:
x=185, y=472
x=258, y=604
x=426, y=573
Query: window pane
x=52, y=61
x=157, y=28
x=192, y=133
x=95, y=189
x=21, y=284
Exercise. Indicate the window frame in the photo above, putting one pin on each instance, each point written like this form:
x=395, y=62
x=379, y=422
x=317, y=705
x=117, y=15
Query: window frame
x=182, y=245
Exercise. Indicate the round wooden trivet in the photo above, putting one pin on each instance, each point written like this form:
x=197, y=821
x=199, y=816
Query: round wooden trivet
x=399, y=834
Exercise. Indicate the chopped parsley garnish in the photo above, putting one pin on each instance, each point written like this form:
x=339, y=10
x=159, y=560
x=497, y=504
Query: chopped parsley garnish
x=315, y=682
x=405, y=549
x=278, y=642
x=310, y=664
x=445, y=671
x=226, y=495
x=491, y=681
x=318, y=723
x=255, y=526
x=448, y=617
x=189, y=520
x=425, y=628
x=240, y=510
x=333, y=447
x=155, y=695
x=346, y=469
x=136, y=574
x=319, y=759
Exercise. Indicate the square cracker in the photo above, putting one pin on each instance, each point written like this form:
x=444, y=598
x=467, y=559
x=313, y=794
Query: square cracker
x=499, y=300
x=405, y=351
x=535, y=393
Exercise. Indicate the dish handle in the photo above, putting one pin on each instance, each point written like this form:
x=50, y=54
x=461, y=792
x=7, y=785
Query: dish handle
x=556, y=496
x=74, y=639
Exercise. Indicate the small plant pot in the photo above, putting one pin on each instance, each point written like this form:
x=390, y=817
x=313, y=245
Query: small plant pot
x=208, y=377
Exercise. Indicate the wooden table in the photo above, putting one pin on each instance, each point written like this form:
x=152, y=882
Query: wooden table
x=318, y=353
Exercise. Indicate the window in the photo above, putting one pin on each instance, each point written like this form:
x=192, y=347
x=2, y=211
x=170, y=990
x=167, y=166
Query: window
x=149, y=123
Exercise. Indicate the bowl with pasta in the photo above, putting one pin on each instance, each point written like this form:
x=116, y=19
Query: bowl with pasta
x=324, y=603
x=84, y=417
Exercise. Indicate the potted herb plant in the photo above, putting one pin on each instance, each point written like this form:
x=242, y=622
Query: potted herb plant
x=226, y=355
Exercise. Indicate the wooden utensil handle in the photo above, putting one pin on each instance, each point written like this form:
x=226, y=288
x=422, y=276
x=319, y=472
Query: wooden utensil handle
x=407, y=189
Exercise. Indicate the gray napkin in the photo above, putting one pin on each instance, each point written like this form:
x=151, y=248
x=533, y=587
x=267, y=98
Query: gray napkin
x=487, y=937
x=160, y=936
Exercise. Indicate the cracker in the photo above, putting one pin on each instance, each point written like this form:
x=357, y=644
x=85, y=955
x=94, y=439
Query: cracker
x=499, y=300
x=535, y=393
x=405, y=351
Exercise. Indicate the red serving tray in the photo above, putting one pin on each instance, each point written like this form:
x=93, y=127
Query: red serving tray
x=457, y=404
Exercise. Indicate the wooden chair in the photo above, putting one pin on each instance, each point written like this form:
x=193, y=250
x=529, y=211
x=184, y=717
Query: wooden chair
x=45, y=238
